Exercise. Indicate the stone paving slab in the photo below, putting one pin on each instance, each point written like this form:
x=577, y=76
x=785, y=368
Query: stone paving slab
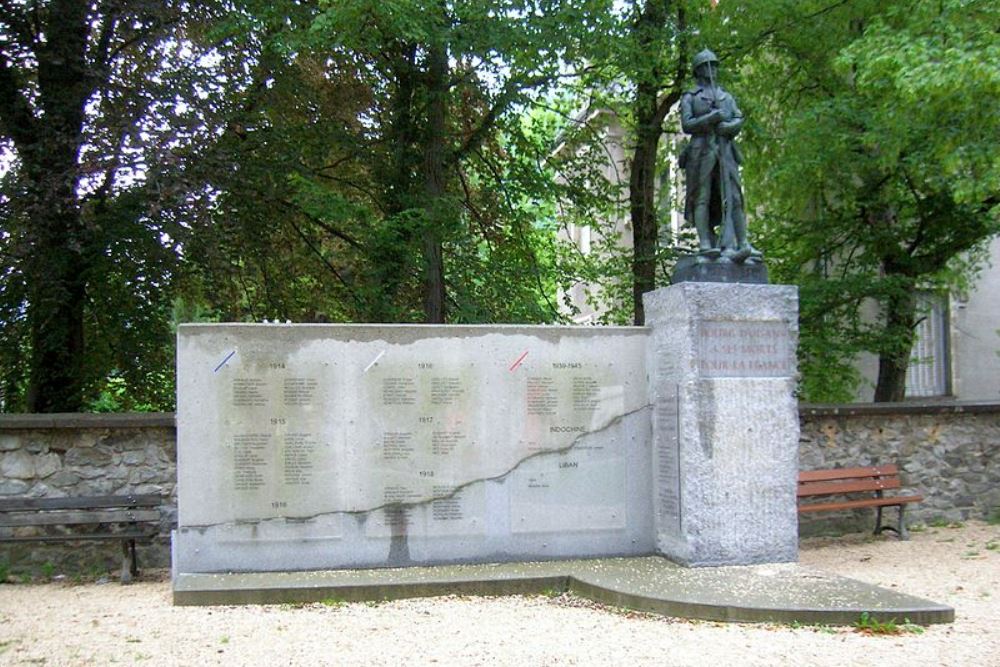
x=778, y=593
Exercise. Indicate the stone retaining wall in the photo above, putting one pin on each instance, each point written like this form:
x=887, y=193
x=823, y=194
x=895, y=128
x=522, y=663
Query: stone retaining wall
x=949, y=452
x=86, y=455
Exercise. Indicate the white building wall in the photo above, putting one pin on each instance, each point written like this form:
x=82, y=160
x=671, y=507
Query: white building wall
x=615, y=170
x=975, y=335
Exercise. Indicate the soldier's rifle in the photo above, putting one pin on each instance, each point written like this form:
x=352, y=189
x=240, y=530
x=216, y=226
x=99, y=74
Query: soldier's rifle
x=726, y=225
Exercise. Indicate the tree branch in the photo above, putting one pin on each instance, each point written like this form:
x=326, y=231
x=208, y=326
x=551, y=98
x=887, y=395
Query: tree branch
x=333, y=231
x=325, y=261
x=103, y=45
x=500, y=104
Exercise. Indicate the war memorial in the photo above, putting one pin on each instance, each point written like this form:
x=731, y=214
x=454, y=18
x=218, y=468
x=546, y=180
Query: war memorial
x=319, y=448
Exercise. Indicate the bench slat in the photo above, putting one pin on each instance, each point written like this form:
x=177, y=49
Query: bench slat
x=847, y=486
x=91, y=502
x=886, y=470
x=127, y=535
x=852, y=504
x=76, y=517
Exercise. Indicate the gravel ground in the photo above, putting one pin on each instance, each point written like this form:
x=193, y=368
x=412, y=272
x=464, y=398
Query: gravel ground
x=94, y=624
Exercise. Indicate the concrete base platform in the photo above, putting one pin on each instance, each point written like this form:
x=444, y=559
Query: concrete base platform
x=781, y=593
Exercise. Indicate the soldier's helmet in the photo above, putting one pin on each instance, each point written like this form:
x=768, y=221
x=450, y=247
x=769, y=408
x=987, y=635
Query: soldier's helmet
x=703, y=57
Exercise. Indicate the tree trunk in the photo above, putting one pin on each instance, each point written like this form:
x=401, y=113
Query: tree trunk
x=54, y=271
x=649, y=110
x=642, y=193
x=392, y=251
x=435, y=206
x=901, y=310
x=56, y=266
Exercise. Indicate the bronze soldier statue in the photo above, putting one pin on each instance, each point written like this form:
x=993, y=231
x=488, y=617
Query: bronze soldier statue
x=711, y=163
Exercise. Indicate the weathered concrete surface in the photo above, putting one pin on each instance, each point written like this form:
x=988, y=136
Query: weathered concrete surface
x=721, y=362
x=305, y=447
x=779, y=593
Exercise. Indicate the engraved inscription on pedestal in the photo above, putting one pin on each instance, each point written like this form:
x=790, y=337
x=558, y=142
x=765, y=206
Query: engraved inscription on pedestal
x=300, y=391
x=668, y=474
x=346, y=442
x=586, y=394
x=744, y=349
x=397, y=446
x=575, y=491
x=449, y=507
x=269, y=422
x=422, y=447
x=399, y=391
x=542, y=396
x=446, y=390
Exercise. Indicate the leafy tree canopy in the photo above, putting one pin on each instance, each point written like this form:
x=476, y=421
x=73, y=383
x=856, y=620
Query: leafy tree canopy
x=874, y=167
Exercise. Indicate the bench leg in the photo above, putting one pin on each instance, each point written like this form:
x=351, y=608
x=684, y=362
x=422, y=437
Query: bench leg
x=129, y=568
x=903, y=533
x=135, y=559
x=878, y=521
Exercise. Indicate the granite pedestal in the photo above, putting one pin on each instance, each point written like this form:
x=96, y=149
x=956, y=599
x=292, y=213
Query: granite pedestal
x=721, y=360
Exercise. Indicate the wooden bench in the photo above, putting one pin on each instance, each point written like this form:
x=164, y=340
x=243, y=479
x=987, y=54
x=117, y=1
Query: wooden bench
x=125, y=518
x=871, y=481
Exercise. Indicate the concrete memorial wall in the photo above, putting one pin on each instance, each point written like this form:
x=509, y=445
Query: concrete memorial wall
x=327, y=446
x=306, y=446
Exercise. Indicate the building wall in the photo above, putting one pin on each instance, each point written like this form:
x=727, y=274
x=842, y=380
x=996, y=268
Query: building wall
x=975, y=335
x=972, y=340
x=586, y=238
x=948, y=451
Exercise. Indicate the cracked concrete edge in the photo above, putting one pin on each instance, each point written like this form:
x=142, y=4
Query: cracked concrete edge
x=185, y=595
x=423, y=502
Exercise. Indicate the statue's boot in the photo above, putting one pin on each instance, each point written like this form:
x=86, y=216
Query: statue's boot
x=706, y=255
x=742, y=254
x=736, y=255
x=756, y=256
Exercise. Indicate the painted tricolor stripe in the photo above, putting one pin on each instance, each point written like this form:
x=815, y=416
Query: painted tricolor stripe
x=517, y=363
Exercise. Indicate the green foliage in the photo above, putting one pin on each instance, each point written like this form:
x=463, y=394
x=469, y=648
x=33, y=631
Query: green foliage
x=95, y=194
x=875, y=173
x=335, y=603
x=329, y=161
x=869, y=625
x=367, y=166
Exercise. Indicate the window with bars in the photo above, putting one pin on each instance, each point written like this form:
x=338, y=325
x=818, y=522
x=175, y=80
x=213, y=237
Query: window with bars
x=929, y=371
